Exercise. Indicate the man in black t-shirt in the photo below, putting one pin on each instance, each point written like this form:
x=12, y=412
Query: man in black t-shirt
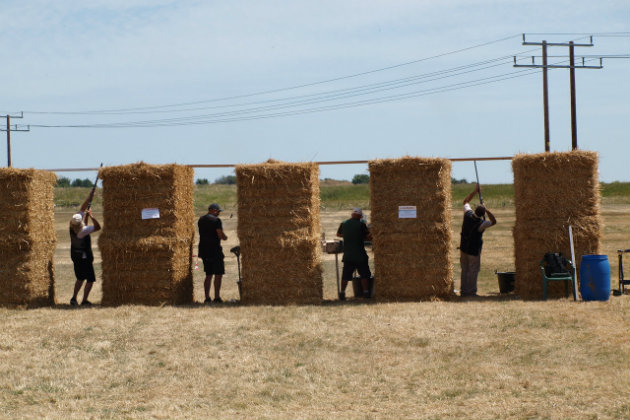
x=354, y=232
x=210, y=236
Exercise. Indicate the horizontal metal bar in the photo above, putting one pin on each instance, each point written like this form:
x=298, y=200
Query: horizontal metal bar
x=558, y=44
x=550, y=66
x=330, y=162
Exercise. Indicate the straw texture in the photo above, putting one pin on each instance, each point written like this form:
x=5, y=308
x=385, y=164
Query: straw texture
x=412, y=256
x=279, y=233
x=27, y=237
x=147, y=261
x=551, y=192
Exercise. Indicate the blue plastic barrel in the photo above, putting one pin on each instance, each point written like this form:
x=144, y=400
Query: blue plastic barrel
x=595, y=277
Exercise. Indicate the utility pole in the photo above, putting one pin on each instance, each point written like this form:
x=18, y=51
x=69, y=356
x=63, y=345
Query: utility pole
x=571, y=68
x=8, y=130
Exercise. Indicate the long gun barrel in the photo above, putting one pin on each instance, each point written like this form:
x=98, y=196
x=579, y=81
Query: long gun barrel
x=89, y=206
x=477, y=175
x=93, y=189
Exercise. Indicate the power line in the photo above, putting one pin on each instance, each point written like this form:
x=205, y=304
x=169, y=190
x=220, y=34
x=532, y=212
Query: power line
x=294, y=105
x=228, y=98
x=208, y=119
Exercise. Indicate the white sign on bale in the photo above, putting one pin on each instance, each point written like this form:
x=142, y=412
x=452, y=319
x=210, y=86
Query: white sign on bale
x=150, y=214
x=407, y=212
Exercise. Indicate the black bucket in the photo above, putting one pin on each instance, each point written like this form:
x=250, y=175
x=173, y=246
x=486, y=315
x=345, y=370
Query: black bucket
x=357, y=288
x=506, y=281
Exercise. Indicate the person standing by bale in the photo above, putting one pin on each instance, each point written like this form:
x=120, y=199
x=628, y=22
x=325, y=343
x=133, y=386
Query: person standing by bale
x=210, y=236
x=81, y=250
x=473, y=227
x=354, y=232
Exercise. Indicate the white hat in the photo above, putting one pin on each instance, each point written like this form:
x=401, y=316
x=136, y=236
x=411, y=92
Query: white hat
x=76, y=219
x=358, y=211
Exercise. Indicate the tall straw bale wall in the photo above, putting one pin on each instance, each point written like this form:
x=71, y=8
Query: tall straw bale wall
x=147, y=261
x=551, y=192
x=27, y=237
x=412, y=256
x=279, y=233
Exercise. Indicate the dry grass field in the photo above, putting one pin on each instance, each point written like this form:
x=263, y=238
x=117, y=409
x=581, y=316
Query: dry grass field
x=493, y=357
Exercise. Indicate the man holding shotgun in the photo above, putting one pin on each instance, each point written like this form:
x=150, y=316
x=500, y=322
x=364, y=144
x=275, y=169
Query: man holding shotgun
x=473, y=227
x=81, y=249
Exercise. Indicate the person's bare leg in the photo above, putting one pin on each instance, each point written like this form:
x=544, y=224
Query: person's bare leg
x=86, y=291
x=206, y=285
x=77, y=288
x=217, y=286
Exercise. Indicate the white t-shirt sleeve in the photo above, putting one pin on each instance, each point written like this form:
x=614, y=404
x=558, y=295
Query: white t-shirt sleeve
x=85, y=232
x=467, y=208
x=485, y=224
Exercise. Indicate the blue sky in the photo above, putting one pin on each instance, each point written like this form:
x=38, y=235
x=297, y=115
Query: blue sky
x=144, y=57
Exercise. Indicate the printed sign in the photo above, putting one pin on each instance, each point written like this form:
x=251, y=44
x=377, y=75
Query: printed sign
x=407, y=212
x=150, y=214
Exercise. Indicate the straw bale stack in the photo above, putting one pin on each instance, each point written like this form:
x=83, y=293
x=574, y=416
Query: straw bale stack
x=279, y=233
x=412, y=256
x=147, y=261
x=551, y=192
x=27, y=237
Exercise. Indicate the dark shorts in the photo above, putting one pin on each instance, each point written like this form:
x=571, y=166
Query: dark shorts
x=349, y=267
x=214, y=264
x=84, y=270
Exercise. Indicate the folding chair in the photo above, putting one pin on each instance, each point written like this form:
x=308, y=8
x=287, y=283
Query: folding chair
x=565, y=276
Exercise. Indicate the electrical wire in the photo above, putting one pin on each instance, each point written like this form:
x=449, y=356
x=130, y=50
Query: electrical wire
x=229, y=98
x=220, y=118
x=312, y=102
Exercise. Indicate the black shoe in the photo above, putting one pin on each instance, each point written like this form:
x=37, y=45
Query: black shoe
x=208, y=300
x=73, y=302
x=366, y=295
x=86, y=303
x=218, y=300
x=342, y=295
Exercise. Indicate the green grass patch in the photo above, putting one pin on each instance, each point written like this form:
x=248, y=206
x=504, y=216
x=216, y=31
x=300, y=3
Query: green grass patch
x=339, y=196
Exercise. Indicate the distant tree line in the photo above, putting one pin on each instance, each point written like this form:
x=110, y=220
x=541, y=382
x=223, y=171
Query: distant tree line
x=357, y=179
x=365, y=179
x=65, y=182
x=224, y=180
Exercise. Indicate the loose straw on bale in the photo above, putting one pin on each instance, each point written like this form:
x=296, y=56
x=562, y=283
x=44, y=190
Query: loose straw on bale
x=27, y=237
x=147, y=261
x=412, y=257
x=551, y=192
x=279, y=233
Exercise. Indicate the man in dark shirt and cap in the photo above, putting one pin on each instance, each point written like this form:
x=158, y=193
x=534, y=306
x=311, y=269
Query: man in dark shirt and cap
x=210, y=251
x=81, y=250
x=473, y=227
x=354, y=232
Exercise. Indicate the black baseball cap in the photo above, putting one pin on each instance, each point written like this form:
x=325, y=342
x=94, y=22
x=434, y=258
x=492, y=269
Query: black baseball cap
x=214, y=206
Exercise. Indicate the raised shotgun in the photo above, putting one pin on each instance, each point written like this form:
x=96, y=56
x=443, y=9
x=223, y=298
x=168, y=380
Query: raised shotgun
x=89, y=206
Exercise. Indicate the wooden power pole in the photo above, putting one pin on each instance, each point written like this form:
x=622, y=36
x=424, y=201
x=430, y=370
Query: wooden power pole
x=544, y=66
x=8, y=130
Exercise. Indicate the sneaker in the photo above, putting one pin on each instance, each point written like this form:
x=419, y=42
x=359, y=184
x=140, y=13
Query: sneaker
x=208, y=300
x=86, y=303
x=218, y=300
x=73, y=302
x=342, y=295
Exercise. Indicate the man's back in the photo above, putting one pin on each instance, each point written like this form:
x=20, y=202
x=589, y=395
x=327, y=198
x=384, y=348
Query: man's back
x=354, y=232
x=208, y=237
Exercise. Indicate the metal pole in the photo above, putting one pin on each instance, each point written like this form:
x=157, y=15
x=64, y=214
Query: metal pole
x=545, y=95
x=8, y=140
x=574, y=145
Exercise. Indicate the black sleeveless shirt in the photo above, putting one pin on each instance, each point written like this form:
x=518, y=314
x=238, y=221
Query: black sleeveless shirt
x=471, y=242
x=80, y=247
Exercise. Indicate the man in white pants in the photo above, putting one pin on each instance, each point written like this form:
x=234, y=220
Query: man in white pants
x=473, y=228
